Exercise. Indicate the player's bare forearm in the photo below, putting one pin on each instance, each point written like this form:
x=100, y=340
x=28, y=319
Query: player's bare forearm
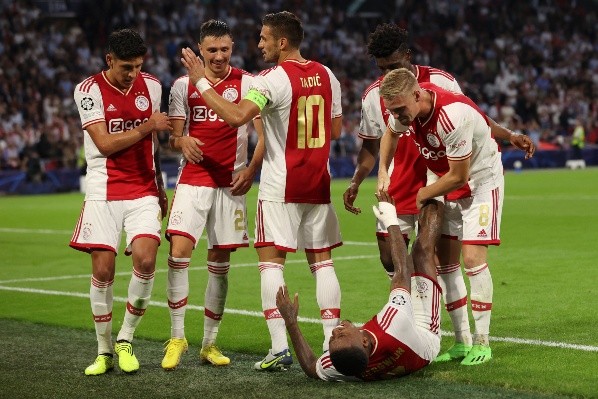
x=289, y=310
x=305, y=355
x=366, y=160
x=454, y=179
x=520, y=141
x=109, y=144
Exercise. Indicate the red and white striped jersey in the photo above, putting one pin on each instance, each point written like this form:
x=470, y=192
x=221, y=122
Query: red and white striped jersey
x=303, y=97
x=397, y=350
x=455, y=130
x=407, y=170
x=224, y=147
x=130, y=173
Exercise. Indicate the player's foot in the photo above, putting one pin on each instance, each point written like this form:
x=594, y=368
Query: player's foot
x=126, y=358
x=173, y=351
x=211, y=354
x=477, y=355
x=275, y=361
x=101, y=365
x=455, y=352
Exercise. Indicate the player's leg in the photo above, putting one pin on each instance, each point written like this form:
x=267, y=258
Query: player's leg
x=318, y=234
x=142, y=225
x=271, y=266
x=481, y=227
x=101, y=298
x=177, y=292
x=98, y=233
x=214, y=301
x=276, y=229
x=188, y=217
x=450, y=277
x=423, y=251
x=480, y=281
x=407, y=225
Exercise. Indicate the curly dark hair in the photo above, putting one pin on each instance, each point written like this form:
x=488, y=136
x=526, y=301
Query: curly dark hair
x=214, y=28
x=386, y=39
x=126, y=44
x=351, y=361
x=285, y=24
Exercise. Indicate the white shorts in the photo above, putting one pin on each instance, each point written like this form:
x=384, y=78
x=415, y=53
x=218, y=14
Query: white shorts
x=474, y=220
x=292, y=226
x=223, y=215
x=407, y=223
x=102, y=222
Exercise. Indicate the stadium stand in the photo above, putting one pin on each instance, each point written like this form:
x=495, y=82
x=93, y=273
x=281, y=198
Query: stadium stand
x=532, y=66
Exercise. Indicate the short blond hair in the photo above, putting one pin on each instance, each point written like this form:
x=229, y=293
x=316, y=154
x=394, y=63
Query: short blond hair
x=398, y=82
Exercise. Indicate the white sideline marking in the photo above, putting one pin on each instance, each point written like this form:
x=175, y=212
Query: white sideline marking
x=233, y=266
x=85, y=295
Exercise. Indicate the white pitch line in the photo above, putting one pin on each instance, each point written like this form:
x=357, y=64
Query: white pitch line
x=233, y=266
x=242, y=312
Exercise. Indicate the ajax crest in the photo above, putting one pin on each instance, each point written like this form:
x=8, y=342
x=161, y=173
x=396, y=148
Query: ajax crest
x=230, y=94
x=142, y=103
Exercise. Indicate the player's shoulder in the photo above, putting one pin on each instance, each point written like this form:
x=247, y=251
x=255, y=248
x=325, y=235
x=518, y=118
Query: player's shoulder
x=440, y=73
x=243, y=72
x=268, y=71
x=372, y=89
x=181, y=80
x=149, y=77
x=86, y=85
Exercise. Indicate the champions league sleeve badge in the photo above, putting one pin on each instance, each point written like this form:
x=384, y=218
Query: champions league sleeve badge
x=87, y=103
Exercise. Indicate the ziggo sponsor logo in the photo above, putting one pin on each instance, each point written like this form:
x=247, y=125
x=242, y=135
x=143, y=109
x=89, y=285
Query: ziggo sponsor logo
x=120, y=125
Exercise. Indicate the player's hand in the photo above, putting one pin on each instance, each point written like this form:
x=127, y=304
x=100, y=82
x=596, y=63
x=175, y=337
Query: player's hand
x=420, y=199
x=288, y=310
x=190, y=147
x=194, y=65
x=160, y=121
x=385, y=211
x=242, y=182
x=163, y=201
x=524, y=143
x=383, y=182
x=349, y=197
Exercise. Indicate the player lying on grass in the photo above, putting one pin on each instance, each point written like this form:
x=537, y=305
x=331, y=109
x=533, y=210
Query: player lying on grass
x=401, y=339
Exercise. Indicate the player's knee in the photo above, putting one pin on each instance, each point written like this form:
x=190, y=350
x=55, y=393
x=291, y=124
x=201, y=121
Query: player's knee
x=146, y=264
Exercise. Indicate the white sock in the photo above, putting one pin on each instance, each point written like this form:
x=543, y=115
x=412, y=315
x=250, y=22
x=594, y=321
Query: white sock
x=271, y=275
x=214, y=301
x=100, y=295
x=140, y=292
x=482, y=289
x=454, y=294
x=178, y=294
x=328, y=294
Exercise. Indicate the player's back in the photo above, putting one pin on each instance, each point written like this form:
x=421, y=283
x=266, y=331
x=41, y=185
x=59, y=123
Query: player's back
x=304, y=97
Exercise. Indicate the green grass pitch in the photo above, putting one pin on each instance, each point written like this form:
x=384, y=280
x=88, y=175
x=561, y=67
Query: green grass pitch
x=544, y=318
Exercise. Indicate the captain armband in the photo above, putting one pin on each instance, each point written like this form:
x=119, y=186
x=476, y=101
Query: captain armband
x=257, y=98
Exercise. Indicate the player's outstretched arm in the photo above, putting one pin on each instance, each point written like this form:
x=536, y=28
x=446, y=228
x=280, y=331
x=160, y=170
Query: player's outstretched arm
x=236, y=115
x=521, y=141
x=388, y=147
x=289, y=311
x=243, y=180
x=366, y=160
x=386, y=213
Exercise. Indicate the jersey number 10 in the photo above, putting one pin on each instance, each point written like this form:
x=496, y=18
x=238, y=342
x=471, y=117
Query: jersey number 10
x=307, y=136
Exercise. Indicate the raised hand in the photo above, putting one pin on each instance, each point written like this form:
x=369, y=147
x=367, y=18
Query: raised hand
x=194, y=65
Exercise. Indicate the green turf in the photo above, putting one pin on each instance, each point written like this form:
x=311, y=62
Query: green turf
x=544, y=289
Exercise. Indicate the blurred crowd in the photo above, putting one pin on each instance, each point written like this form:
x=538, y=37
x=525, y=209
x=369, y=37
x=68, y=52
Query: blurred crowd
x=531, y=65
